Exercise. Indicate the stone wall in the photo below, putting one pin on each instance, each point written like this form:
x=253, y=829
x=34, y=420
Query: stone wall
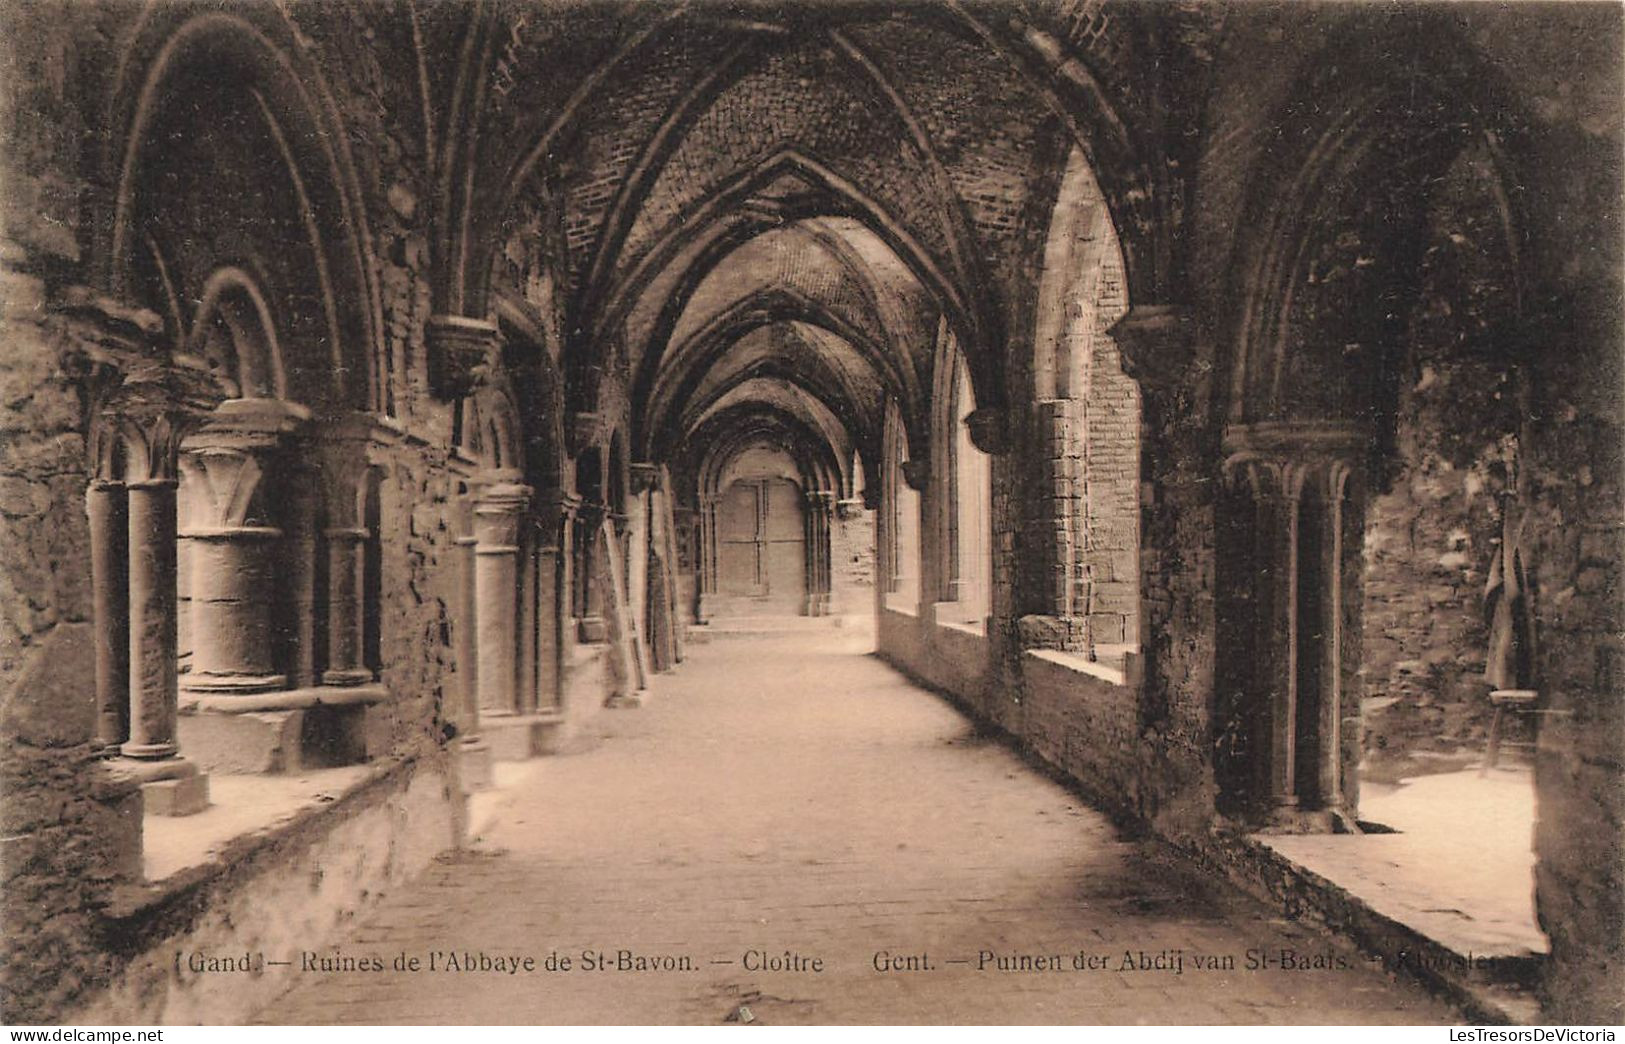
x=852, y=562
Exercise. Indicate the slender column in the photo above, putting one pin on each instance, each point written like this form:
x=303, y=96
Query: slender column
x=497, y=512
x=151, y=426
x=152, y=620
x=706, y=576
x=474, y=755
x=468, y=663
x=555, y=510
x=106, y=505
x=1274, y=486
x=184, y=514
x=299, y=560
x=525, y=681
x=1332, y=487
x=592, y=627
x=228, y=464
x=821, y=507
x=345, y=456
x=1297, y=476
x=809, y=557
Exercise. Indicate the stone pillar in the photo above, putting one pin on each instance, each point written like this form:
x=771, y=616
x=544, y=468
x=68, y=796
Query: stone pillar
x=151, y=754
x=152, y=619
x=1332, y=482
x=497, y=512
x=229, y=463
x=345, y=459
x=707, y=573
x=473, y=755
x=1274, y=487
x=525, y=680
x=299, y=560
x=555, y=511
x=106, y=505
x=1296, y=478
x=592, y=628
x=820, y=504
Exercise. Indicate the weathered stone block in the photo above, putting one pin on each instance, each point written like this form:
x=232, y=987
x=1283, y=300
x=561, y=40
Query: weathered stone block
x=185, y=796
x=264, y=742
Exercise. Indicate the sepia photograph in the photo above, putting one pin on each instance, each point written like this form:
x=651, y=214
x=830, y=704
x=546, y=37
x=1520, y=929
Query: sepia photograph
x=812, y=513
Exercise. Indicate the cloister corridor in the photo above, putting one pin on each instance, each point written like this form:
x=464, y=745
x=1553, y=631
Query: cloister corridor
x=794, y=793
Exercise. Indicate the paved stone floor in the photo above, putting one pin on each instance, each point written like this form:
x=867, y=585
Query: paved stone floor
x=793, y=794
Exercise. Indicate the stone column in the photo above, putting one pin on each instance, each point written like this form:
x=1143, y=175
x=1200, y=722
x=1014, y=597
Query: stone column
x=299, y=560
x=473, y=755
x=1332, y=489
x=1274, y=487
x=1296, y=477
x=345, y=464
x=229, y=462
x=820, y=503
x=152, y=619
x=555, y=511
x=706, y=577
x=171, y=785
x=525, y=680
x=106, y=505
x=592, y=627
x=497, y=512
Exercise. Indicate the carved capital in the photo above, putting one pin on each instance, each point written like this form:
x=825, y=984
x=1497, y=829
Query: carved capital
x=1282, y=459
x=463, y=352
x=138, y=429
x=1157, y=342
x=345, y=449
x=227, y=458
x=871, y=498
x=917, y=473
x=989, y=430
x=849, y=509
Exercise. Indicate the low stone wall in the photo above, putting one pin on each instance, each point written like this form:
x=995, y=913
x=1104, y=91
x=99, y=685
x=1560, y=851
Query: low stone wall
x=1078, y=717
x=273, y=896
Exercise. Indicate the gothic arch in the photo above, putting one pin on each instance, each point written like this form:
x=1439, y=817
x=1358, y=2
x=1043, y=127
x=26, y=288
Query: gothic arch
x=171, y=50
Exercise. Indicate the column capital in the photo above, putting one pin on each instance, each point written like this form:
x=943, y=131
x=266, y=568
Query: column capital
x=228, y=456
x=501, y=494
x=871, y=498
x=1157, y=342
x=849, y=508
x=917, y=473
x=557, y=503
x=1279, y=458
x=147, y=415
x=645, y=477
x=585, y=430
x=989, y=430
x=463, y=352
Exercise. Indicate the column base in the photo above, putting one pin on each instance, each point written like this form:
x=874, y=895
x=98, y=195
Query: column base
x=473, y=765
x=625, y=701
x=230, y=683
x=593, y=630
x=1288, y=819
x=346, y=678
x=518, y=737
x=170, y=787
